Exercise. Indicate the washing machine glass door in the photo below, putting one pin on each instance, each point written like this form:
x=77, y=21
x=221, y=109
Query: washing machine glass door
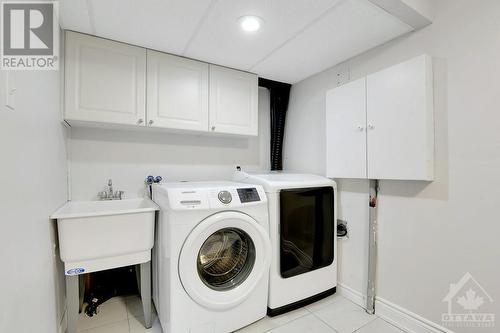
x=223, y=259
x=226, y=259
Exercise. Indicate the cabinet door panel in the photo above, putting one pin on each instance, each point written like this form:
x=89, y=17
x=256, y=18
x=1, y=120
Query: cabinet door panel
x=177, y=92
x=233, y=101
x=400, y=121
x=345, y=130
x=105, y=81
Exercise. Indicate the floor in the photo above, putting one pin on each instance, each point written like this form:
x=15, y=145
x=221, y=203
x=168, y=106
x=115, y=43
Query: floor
x=334, y=314
x=118, y=315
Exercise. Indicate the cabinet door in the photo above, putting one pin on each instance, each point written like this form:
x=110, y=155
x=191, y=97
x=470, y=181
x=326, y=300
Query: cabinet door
x=345, y=130
x=105, y=81
x=233, y=101
x=400, y=121
x=177, y=92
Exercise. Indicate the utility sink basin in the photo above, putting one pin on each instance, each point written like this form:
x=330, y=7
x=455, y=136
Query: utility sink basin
x=98, y=235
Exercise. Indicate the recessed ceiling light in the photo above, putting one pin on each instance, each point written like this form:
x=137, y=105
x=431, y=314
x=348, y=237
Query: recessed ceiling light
x=250, y=23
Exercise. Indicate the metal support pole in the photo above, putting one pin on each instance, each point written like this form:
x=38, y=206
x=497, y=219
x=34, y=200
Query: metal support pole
x=145, y=283
x=81, y=283
x=372, y=248
x=72, y=302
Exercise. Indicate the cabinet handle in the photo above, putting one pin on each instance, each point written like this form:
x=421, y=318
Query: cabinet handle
x=360, y=128
x=140, y=121
x=213, y=128
x=370, y=126
x=151, y=122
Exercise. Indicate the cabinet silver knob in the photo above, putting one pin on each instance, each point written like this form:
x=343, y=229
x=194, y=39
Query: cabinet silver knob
x=213, y=128
x=151, y=122
x=140, y=121
x=370, y=126
x=360, y=128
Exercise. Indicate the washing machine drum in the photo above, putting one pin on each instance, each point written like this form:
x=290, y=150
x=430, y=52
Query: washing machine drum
x=223, y=259
x=226, y=259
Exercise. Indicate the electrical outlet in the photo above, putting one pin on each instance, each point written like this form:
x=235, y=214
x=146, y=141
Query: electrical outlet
x=343, y=75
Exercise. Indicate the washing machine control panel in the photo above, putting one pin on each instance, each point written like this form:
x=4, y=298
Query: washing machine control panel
x=248, y=194
x=199, y=196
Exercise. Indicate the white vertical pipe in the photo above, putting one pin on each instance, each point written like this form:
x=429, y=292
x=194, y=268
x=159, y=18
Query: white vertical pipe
x=372, y=248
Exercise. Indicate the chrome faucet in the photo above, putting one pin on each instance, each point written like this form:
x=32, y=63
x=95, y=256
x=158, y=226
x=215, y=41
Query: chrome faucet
x=110, y=188
x=109, y=194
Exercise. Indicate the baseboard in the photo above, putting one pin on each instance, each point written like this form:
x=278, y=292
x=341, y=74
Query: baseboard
x=406, y=320
x=352, y=295
x=392, y=313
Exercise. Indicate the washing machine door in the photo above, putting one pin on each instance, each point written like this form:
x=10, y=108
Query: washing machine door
x=223, y=259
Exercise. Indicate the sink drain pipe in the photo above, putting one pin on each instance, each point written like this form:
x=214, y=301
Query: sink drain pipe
x=372, y=248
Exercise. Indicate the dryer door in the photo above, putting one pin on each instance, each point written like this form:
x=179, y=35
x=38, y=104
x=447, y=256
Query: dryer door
x=223, y=259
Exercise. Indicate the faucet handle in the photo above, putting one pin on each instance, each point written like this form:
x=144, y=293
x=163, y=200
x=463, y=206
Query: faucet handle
x=119, y=194
x=102, y=195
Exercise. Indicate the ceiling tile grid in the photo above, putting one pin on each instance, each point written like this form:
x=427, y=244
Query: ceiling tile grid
x=298, y=38
x=354, y=27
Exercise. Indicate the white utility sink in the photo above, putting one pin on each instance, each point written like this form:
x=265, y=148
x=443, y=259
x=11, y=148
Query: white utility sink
x=98, y=235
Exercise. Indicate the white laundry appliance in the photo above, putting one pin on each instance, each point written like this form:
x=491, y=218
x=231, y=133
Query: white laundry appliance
x=212, y=256
x=302, y=227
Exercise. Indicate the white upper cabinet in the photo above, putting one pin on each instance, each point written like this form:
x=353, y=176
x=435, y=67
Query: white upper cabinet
x=345, y=130
x=392, y=110
x=177, y=92
x=400, y=121
x=105, y=81
x=233, y=101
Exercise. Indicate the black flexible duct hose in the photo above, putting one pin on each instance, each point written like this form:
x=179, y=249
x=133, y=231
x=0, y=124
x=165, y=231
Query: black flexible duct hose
x=280, y=95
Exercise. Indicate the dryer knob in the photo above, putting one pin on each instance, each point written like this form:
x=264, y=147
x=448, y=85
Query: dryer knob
x=225, y=197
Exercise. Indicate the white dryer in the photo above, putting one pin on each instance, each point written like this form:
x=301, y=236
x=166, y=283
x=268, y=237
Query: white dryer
x=302, y=220
x=211, y=260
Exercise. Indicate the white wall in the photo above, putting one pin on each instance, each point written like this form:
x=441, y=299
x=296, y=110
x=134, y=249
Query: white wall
x=32, y=186
x=430, y=234
x=128, y=157
x=425, y=7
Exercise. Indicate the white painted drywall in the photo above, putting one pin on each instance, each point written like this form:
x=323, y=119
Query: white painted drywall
x=430, y=234
x=128, y=157
x=416, y=13
x=32, y=186
x=424, y=7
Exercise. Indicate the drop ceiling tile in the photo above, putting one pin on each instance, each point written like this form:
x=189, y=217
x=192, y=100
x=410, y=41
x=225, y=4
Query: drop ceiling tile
x=74, y=15
x=220, y=39
x=298, y=39
x=351, y=28
x=164, y=25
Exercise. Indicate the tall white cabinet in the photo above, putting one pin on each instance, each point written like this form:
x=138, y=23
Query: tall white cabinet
x=177, y=92
x=382, y=126
x=105, y=81
x=233, y=101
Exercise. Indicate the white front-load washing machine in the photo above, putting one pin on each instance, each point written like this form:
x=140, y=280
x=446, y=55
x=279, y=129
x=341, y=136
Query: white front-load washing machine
x=211, y=260
x=303, y=232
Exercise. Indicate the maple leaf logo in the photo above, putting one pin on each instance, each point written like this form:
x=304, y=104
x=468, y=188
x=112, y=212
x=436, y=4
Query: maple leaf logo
x=470, y=301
